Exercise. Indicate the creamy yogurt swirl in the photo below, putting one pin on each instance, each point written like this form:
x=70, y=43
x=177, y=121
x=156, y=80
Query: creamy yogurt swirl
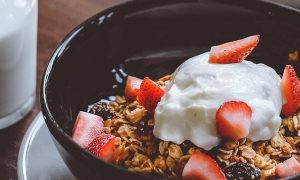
x=198, y=88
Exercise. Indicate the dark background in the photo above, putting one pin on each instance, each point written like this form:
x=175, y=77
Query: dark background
x=56, y=19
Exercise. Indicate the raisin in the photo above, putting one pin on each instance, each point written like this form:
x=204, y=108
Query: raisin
x=142, y=128
x=241, y=171
x=102, y=109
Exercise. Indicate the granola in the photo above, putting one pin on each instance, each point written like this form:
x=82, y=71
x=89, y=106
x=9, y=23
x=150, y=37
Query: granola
x=264, y=155
x=218, y=101
x=141, y=152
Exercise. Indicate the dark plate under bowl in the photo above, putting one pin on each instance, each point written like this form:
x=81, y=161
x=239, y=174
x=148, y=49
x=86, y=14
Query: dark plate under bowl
x=150, y=38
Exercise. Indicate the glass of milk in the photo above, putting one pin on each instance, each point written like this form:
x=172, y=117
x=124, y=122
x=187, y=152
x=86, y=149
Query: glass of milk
x=18, y=46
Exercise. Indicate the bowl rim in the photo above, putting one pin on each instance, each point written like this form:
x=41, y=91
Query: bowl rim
x=58, y=133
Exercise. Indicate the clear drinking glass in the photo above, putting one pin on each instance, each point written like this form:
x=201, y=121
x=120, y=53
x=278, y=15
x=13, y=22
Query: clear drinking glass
x=18, y=46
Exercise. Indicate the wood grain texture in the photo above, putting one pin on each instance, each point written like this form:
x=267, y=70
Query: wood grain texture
x=56, y=19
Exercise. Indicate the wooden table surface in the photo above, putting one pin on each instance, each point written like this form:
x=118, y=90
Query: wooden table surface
x=56, y=19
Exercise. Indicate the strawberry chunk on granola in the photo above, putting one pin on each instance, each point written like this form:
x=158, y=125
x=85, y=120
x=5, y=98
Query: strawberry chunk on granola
x=108, y=152
x=233, y=52
x=98, y=143
x=132, y=87
x=288, y=168
x=291, y=89
x=87, y=127
x=202, y=166
x=233, y=120
x=104, y=146
x=149, y=94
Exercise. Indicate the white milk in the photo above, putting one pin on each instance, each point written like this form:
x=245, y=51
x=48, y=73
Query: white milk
x=18, y=44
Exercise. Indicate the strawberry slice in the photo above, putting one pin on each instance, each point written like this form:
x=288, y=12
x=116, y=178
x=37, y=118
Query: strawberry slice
x=233, y=120
x=132, y=87
x=87, y=127
x=98, y=143
x=291, y=89
x=233, y=52
x=149, y=94
x=104, y=147
x=202, y=166
x=108, y=152
x=288, y=168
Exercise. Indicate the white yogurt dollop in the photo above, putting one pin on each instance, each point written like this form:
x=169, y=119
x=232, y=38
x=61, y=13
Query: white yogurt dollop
x=198, y=88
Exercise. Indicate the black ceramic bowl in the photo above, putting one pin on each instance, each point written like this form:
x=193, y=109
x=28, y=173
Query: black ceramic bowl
x=150, y=38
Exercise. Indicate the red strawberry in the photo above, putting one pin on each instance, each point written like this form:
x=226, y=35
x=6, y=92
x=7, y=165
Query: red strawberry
x=104, y=147
x=149, y=94
x=108, y=151
x=291, y=89
x=87, y=127
x=233, y=52
x=288, y=168
x=233, y=120
x=201, y=166
x=98, y=142
x=132, y=87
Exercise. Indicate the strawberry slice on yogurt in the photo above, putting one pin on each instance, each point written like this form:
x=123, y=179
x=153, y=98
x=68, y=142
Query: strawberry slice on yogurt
x=233, y=120
x=233, y=52
x=291, y=89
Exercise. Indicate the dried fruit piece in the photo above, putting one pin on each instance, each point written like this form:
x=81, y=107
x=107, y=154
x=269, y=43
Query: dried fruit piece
x=242, y=171
x=233, y=52
x=291, y=89
x=233, y=120
x=102, y=109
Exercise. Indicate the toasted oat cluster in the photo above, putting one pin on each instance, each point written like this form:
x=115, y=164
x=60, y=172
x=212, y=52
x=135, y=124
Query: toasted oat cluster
x=265, y=155
x=141, y=152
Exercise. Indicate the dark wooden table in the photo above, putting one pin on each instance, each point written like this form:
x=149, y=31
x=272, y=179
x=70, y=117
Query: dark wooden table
x=56, y=19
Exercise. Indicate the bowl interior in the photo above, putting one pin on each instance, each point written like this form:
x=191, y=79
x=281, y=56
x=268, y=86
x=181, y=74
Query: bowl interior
x=151, y=39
